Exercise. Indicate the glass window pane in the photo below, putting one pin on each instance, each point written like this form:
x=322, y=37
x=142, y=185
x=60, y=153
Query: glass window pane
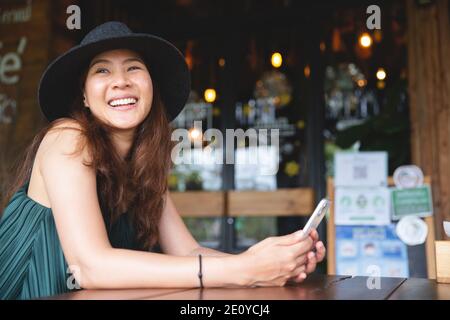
x=205, y=230
x=250, y=230
x=195, y=166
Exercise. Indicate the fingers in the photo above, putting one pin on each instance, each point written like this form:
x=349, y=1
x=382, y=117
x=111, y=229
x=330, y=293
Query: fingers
x=320, y=251
x=307, y=263
x=293, y=238
x=314, y=235
x=301, y=260
x=301, y=269
x=300, y=277
x=312, y=262
x=302, y=247
x=289, y=239
x=299, y=274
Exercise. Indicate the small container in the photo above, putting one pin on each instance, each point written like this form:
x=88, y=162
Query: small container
x=447, y=228
x=442, y=261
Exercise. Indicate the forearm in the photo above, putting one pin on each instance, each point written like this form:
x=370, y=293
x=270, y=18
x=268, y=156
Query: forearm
x=120, y=268
x=208, y=252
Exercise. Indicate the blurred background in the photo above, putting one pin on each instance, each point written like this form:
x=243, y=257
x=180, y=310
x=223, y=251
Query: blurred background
x=312, y=69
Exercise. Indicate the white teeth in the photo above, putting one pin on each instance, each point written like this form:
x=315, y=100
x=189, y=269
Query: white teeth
x=120, y=102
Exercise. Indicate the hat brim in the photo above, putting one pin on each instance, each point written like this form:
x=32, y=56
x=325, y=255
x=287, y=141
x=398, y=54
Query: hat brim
x=59, y=84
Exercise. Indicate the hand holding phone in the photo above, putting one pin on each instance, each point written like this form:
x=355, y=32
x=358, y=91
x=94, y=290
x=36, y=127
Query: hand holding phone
x=316, y=217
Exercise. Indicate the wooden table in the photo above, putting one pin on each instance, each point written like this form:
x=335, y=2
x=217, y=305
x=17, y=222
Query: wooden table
x=316, y=287
x=421, y=289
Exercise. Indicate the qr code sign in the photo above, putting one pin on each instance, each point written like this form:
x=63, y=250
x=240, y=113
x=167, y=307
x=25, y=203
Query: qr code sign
x=359, y=172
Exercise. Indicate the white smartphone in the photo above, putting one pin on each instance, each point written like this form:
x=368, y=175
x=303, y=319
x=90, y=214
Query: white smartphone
x=316, y=217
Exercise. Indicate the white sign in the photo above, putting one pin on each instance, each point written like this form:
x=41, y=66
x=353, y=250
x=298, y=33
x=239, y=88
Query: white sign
x=362, y=206
x=361, y=169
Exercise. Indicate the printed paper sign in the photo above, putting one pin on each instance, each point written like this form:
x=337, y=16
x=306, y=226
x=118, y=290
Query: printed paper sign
x=362, y=206
x=362, y=249
x=412, y=201
x=361, y=169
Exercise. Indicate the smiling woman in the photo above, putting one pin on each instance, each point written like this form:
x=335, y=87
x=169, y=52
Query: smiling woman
x=118, y=89
x=90, y=198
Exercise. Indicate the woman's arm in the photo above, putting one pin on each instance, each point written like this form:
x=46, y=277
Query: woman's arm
x=208, y=252
x=71, y=189
x=175, y=238
x=72, y=193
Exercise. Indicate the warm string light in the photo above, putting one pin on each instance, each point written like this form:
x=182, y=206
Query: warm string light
x=322, y=46
x=381, y=74
x=307, y=71
x=361, y=83
x=194, y=134
x=365, y=40
x=210, y=95
x=276, y=60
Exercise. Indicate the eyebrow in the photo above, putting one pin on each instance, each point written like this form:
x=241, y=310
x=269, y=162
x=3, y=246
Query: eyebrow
x=94, y=62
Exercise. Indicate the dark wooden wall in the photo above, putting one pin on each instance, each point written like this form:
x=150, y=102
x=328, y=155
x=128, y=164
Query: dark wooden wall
x=34, y=32
x=429, y=94
x=18, y=125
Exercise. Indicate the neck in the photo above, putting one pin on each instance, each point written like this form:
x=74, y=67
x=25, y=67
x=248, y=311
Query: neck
x=123, y=140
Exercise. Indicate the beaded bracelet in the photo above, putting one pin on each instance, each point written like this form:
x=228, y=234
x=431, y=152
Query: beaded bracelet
x=200, y=274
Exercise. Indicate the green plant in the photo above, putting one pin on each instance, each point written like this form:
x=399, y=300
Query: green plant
x=194, y=181
x=388, y=131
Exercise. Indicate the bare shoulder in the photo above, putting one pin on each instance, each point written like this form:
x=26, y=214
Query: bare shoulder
x=64, y=149
x=60, y=151
x=66, y=123
x=64, y=138
x=65, y=129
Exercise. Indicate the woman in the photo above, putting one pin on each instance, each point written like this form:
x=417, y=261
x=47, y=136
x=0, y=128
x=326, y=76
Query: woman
x=91, y=197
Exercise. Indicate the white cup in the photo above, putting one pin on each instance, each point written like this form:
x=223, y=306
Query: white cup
x=447, y=228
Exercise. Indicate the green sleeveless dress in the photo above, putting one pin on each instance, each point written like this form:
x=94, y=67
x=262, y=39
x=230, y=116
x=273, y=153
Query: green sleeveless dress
x=32, y=263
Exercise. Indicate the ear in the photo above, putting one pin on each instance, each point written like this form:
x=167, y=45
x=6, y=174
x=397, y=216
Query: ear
x=84, y=100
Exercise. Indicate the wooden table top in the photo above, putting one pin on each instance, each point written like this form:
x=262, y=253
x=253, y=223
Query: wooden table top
x=316, y=287
x=421, y=289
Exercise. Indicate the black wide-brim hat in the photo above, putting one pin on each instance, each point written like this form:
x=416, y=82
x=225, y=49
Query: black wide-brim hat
x=60, y=83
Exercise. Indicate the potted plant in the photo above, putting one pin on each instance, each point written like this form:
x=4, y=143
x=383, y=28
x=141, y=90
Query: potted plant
x=194, y=181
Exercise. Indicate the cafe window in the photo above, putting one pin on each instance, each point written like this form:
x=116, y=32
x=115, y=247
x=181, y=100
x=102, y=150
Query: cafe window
x=365, y=87
x=269, y=97
x=200, y=168
x=267, y=104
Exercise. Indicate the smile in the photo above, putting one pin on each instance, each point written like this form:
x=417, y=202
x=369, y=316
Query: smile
x=125, y=103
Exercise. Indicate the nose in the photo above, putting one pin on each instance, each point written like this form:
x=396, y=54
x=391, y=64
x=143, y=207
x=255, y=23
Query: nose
x=120, y=81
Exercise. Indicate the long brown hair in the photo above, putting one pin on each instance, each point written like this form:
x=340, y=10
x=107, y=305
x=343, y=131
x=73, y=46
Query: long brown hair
x=136, y=184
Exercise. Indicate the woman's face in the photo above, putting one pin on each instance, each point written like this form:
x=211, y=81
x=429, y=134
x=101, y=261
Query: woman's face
x=118, y=88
